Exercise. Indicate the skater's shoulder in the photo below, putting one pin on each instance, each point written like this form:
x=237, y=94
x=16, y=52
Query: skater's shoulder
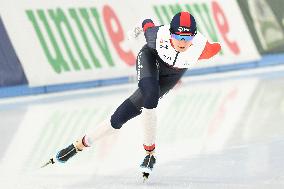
x=149, y=27
x=150, y=32
x=147, y=24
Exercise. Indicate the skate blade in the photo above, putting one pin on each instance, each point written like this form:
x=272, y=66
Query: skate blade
x=51, y=161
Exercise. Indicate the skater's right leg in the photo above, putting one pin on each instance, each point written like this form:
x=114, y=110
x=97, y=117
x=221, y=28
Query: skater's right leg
x=150, y=90
x=148, y=81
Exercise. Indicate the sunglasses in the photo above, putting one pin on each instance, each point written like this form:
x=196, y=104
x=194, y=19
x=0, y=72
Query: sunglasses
x=182, y=37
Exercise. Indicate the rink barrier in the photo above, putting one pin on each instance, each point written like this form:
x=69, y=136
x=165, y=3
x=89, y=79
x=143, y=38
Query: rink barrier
x=11, y=70
x=23, y=90
x=271, y=20
x=82, y=41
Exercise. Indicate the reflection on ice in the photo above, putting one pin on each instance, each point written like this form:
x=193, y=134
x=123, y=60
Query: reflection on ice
x=223, y=134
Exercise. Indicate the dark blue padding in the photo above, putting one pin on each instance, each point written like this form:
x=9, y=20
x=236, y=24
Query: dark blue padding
x=11, y=71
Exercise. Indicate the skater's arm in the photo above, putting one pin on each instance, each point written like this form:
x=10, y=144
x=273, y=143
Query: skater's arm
x=210, y=50
x=134, y=33
x=150, y=32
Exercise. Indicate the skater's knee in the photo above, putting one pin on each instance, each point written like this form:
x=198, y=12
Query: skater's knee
x=126, y=111
x=137, y=99
x=116, y=123
x=150, y=91
x=151, y=101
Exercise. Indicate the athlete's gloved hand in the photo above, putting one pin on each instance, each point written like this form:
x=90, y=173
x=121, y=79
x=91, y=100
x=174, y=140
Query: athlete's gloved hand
x=134, y=33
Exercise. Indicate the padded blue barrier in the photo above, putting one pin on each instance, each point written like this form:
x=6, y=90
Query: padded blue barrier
x=11, y=71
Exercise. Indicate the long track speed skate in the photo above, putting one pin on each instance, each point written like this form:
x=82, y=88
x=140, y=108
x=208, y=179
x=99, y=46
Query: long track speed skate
x=63, y=155
x=147, y=166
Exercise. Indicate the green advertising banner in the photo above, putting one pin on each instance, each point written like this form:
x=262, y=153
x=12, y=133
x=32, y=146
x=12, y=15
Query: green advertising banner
x=265, y=20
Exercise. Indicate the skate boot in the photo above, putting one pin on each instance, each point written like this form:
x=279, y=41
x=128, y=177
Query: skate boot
x=63, y=155
x=148, y=162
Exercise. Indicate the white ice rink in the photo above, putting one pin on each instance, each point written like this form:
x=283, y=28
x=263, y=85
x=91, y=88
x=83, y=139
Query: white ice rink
x=222, y=132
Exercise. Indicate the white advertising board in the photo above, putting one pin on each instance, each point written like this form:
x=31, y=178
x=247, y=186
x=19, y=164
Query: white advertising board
x=61, y=41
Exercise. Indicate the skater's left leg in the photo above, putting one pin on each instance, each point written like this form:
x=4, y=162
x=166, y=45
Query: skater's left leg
x=126, y=111
x=129, y=109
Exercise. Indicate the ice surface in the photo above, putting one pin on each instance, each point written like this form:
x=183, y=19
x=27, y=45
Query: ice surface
x=220, y=134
